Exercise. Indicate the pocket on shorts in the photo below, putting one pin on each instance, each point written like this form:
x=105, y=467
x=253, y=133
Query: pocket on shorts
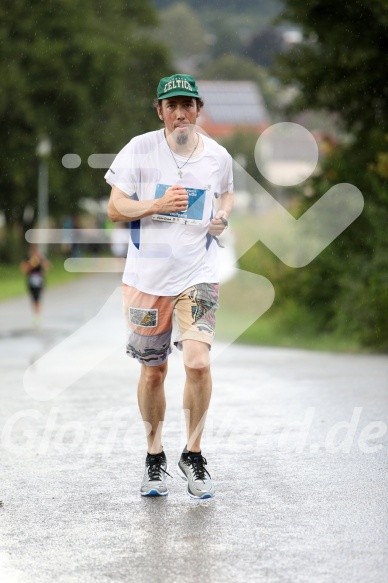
x=143, y=317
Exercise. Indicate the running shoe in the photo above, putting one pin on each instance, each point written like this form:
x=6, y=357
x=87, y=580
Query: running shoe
x=154, y=480
x=191, y=467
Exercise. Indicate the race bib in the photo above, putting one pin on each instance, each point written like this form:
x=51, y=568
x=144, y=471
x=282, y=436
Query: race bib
x=35, y=280
x=194, y=213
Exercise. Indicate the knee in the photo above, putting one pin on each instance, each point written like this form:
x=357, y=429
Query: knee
x=154, y=375
x=196, y=357
x=198, y=371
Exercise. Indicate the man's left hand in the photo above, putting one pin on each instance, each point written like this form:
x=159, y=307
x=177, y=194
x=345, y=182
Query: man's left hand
x=218, y=224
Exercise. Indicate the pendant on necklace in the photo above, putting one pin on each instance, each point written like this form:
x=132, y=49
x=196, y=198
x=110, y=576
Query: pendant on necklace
x=188, y=159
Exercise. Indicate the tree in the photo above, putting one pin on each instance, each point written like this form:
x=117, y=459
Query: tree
x=264, y=7
x=84, y=79
x=225, y=25
x=340, y=65
x=265, y=45
x=340, y=68
x=182, y=30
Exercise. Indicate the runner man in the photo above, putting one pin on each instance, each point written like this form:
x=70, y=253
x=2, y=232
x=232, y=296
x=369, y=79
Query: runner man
x=166, y=183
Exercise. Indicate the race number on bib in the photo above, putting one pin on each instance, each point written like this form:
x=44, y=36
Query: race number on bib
x=194, y=213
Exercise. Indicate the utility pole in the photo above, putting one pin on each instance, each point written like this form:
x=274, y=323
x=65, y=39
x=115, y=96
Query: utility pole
x=43, y=151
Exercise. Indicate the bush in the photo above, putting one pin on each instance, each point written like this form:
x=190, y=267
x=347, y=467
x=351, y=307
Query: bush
x=12, y=246
x=346, y=286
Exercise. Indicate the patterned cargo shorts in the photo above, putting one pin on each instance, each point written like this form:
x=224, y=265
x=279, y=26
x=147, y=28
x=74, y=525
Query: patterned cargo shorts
x=149, y=320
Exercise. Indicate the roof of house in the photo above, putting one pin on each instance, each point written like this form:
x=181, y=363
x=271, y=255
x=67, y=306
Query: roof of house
x=233, y=102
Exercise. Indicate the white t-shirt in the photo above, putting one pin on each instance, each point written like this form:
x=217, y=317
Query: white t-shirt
x=165, y=258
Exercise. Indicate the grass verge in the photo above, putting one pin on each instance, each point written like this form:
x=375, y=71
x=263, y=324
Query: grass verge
x=13, y=281
x=285, y=323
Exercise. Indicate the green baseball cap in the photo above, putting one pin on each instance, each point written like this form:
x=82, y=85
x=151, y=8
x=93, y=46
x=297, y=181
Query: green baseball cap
x=177, y=85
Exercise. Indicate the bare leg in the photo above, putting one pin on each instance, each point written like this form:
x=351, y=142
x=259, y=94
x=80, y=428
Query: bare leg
x=152, y=403
x=36, y=314
x=198, y=389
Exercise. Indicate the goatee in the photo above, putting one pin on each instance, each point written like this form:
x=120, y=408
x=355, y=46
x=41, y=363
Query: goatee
x=181, y=139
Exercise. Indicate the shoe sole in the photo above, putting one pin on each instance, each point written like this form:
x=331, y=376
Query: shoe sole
x=182, y=475
x=154, y=493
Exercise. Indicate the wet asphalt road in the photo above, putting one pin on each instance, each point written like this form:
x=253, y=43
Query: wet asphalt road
x=296, y=442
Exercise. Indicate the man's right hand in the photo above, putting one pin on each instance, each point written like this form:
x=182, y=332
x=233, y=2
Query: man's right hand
x=122, y=208
x=174, y=200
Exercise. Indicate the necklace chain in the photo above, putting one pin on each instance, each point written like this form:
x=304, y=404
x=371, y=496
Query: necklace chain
x=180, y=167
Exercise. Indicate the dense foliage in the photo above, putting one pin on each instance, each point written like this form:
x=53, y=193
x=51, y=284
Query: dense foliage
x=241, y=6
x=341, y=68
x=82, y=74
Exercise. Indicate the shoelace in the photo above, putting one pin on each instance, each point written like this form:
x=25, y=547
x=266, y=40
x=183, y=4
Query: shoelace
x=155, y=469
x=198, y=464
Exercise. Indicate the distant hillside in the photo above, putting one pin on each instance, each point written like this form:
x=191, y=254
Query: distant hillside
x=198, y=31
x=265, y=7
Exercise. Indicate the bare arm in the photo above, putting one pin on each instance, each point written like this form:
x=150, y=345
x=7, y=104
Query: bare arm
x=217, y=226
x=24, y=266
x=46, y=264
x=122, y=208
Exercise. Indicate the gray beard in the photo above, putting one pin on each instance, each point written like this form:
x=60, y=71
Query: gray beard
x=182, y=140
